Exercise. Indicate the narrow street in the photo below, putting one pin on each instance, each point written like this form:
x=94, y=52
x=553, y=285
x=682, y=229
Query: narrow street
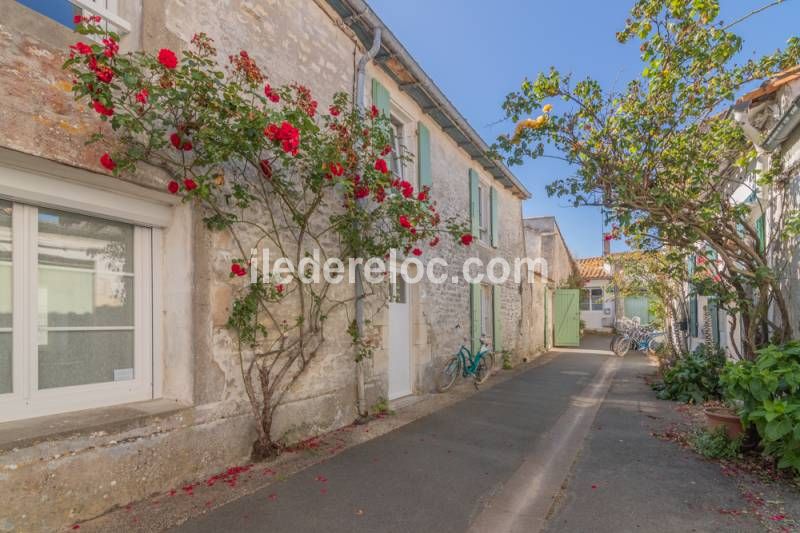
x=565, y=446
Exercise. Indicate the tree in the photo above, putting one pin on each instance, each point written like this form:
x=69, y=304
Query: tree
x=664, y=155
x=661, y=276
x=262, y=164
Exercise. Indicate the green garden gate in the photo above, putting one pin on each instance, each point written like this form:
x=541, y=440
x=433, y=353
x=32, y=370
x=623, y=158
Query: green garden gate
x=566, y=317
x=638, y=306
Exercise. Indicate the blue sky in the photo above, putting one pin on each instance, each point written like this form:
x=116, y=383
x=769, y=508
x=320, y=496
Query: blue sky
x=478, y=51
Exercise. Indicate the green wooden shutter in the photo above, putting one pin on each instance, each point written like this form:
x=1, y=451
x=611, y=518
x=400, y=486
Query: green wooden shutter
x=493, y=217
x=761, y=231
x=713, y=310
x=424, y=156
x=473, y=203
x=497, y=333
x=475, y=312
x=380, y=97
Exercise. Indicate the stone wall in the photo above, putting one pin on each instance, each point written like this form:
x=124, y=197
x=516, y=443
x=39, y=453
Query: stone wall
x=544, y=240
x=293, y=41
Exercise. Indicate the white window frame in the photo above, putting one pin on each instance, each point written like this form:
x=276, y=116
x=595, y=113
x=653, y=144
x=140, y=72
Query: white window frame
x=28, y=191
x=401, y=123
x=592, y=304
x=107, y=9
x=396, y=163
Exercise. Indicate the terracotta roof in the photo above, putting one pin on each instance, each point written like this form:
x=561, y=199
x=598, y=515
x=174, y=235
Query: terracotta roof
x=592, y=268
x=773, y=84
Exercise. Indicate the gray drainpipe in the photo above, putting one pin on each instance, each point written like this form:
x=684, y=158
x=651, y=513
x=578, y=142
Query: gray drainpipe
x=359, y=282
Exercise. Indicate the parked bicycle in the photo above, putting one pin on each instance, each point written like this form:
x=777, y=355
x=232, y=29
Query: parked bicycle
x=632, y=335
x=464, y=362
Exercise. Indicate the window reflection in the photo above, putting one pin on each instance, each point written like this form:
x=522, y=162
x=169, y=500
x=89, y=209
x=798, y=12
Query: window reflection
x=85, y=300
x=5, y=298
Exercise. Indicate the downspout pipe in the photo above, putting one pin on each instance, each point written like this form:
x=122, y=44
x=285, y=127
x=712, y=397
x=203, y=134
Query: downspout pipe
x=359, y=273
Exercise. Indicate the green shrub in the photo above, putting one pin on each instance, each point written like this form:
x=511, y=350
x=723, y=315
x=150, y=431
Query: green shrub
x=715, y=444
x=769, y=391
x=694, y=378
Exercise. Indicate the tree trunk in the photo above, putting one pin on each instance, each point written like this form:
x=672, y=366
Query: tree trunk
x=264, y=447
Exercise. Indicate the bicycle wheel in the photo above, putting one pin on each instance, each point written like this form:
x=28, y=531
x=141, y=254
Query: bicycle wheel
x=614, y=340
x=655, y=344
x=448, y=373
x=623, y=346
x=485, y=367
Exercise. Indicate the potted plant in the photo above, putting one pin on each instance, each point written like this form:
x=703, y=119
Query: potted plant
x=723, y=416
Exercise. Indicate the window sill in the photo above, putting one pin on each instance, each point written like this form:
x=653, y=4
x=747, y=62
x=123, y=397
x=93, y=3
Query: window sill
x=117, y=418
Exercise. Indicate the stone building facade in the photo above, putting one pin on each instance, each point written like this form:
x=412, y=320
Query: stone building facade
x=770, y=118
x=177, y=411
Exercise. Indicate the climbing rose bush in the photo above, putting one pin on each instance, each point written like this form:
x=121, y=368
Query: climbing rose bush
x=265, y=165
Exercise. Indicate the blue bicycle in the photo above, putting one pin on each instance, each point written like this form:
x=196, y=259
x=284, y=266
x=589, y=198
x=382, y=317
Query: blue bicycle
x=633, y=336
x=479, y=366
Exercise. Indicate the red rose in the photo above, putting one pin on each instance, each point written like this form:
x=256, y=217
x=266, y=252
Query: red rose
x=416, y=251
x=103, y=110
x=434, y=242
x=112, y=47
x=105, y=74
x=266, y=168
x=373, y=112
x=386, y=150
x=286, y=134
x=380, y=195
x=178, y=143
x=466, y=239
x=167, y=58
x=272, y=95
x=404, y=221
x=380, y=166
x=190, y=184
x=77, y=19
x=336, y=169
x=82, y=48
x=238, y=270
x=279, y=288
x=107, y=162
x=312, y=108
x=422, y=196
x=334, y=111
x=173, y=187
x=141, y=96
x=362, y=191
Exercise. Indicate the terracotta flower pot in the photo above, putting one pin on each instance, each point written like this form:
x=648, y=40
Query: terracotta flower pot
x=724, y=417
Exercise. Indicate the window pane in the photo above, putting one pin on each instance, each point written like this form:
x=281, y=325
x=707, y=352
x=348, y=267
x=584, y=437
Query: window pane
x=597, y=299
x=59, y=10
x=74, y=298
x=85, y=283
x=584, y=300
x=394, y=158
x=84, y=357
x=5, y=297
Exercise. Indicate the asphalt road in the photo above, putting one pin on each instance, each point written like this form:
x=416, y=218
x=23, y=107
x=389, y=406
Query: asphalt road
x=435, y=474
x=566, y=446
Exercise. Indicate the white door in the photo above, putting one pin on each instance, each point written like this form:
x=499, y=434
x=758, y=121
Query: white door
x=399, y=342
